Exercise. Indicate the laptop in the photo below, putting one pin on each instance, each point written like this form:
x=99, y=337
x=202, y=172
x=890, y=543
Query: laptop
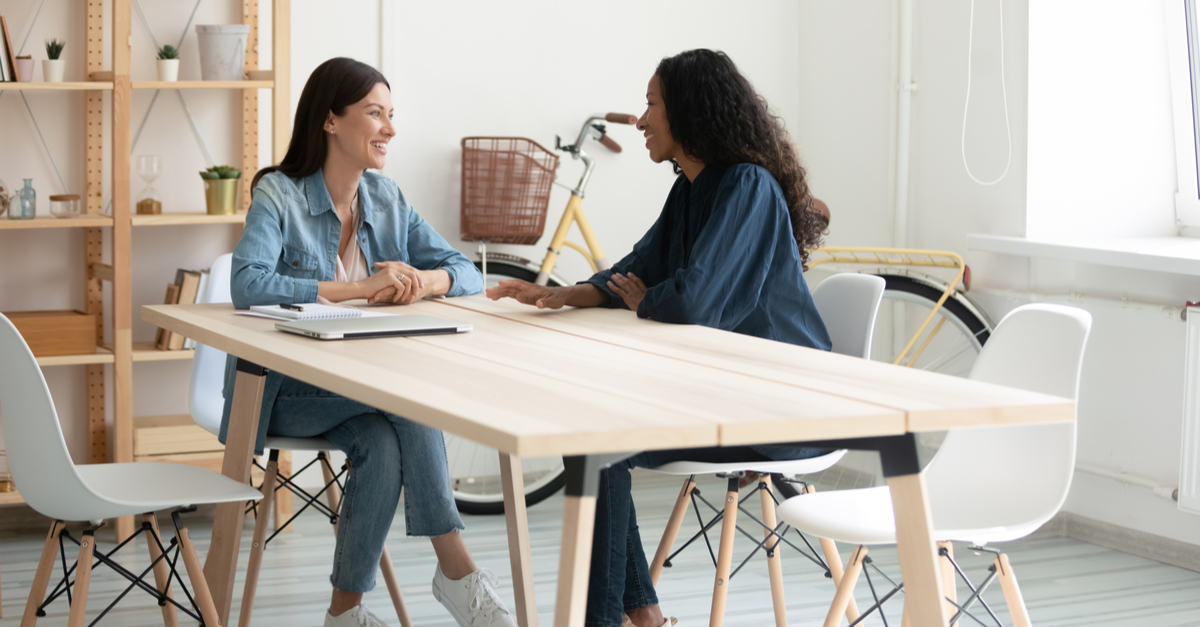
x=373, y=326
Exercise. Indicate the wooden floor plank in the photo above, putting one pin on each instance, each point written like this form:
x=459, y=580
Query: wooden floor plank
x=1066, y=583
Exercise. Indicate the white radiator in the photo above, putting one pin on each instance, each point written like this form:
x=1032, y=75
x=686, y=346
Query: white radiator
x=1189, y=466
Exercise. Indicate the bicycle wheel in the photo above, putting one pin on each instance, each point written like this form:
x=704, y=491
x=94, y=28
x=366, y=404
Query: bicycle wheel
x=961, y=329
x=474, y=468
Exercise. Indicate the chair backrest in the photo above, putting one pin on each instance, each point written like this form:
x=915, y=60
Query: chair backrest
x=848, y=304
x=1015, y=476
x=38, y=458
x=205, y=400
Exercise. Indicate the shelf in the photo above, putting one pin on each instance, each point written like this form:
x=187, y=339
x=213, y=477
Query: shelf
x=1172, y=254
x=203, y=85
x=197, y=217
x=77, y=86
x=145, y=351
x=51, y=222
x=11, y=498
x=102, y=356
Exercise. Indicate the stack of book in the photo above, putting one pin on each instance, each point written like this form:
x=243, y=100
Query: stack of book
x=189, y=287
x=8, y=54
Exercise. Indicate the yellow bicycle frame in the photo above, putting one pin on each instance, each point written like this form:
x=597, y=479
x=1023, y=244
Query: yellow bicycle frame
x=899, y=257
x=573, y=214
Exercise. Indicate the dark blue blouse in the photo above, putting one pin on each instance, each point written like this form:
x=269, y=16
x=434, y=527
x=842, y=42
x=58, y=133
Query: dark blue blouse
x=722, y=255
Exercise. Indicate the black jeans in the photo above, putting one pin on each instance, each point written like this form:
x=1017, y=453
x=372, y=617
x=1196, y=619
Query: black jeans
x=619, y=579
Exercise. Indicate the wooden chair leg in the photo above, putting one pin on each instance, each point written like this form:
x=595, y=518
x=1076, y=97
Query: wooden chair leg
x=42, y=576
x=200, y=591
x=774, y=559
x=1012, y=592
x=83, y=578
x=672, y=530
x=162, y=572
x=283, y=498
x=261, y=524
x=845, y=589
x=393, y=586
x=949, y=586
x=716, y=616
x=834, y=560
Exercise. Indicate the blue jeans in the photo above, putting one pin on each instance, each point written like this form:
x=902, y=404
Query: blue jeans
x=619, y=578
x=386, y=452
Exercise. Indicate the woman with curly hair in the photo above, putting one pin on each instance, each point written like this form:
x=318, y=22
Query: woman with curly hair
x=728, y=251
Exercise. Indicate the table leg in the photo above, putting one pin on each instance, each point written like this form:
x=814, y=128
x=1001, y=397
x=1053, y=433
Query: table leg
x=519, y=556
x=914, y=532
x=579, y=520
x=220, y=567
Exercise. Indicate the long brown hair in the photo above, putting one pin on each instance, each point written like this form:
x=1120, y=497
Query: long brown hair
x=334, y=85
x=718, y=119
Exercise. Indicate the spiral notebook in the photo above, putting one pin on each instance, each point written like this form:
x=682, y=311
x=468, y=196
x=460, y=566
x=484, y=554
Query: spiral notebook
x=306, y=311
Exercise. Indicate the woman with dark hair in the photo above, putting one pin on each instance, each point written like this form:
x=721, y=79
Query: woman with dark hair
x=318, y=225
x=728, y=251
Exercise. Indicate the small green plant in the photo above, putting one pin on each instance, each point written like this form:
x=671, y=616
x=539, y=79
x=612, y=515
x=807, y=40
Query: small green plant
x=221, y=172
x=168, y=52
x=54, y=48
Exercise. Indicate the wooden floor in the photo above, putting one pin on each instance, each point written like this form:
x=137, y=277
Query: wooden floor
x=1065, y=582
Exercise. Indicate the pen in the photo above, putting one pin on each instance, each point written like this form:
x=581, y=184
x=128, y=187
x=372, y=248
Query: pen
x=291, y=307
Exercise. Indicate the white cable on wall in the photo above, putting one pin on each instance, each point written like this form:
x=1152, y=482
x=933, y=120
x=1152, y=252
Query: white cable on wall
x=1003, y=92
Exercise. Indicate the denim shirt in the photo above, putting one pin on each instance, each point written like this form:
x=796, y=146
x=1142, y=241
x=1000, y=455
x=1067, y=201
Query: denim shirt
x=291, y=240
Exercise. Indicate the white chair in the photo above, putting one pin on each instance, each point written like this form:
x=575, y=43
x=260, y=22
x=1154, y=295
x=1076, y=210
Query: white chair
x=848, y=304
x=55, y=487
x=207, y=405
x=985, y=485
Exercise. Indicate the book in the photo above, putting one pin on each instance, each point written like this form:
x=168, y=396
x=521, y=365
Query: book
x=162, y=340
x=7, y=70
x=307, y=311
x=189, y=284
x=10, y=51
x=201, y=298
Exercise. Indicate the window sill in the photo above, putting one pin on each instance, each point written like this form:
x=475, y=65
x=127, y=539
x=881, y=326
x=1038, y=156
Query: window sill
x=1177, y=255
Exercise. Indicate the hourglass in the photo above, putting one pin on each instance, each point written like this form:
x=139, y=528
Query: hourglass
x=149, y=202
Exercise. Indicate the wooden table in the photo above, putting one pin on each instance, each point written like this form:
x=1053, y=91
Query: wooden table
x=595, y=385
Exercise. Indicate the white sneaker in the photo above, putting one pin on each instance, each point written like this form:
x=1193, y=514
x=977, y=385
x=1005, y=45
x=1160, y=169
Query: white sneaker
x=472, y=600
x=358, y=616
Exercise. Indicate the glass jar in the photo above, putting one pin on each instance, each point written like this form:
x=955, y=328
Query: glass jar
x=25, y=205
x=64, y=206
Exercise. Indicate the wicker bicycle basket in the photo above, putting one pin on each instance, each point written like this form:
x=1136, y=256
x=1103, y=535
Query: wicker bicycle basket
x=506, y=185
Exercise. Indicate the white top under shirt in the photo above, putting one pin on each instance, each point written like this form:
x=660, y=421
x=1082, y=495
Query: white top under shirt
x=352, y=264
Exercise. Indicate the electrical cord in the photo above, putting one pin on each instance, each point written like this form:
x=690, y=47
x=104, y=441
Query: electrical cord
x=1003, y=92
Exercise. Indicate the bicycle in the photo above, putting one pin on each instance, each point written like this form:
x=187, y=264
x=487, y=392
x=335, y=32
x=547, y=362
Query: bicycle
x=506, y=185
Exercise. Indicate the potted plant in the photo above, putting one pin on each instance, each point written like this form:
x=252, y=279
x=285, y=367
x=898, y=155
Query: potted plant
x=52, y=67
x=168, y=64
x=25, y=68
x=222, y=187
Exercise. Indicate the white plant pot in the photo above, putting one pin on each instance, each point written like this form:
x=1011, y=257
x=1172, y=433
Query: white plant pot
x=222, y=51
x=168, y=70
x=52, y=70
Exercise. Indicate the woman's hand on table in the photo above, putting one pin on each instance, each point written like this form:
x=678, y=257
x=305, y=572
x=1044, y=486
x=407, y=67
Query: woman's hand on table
x=528, y=293
x=629, y=288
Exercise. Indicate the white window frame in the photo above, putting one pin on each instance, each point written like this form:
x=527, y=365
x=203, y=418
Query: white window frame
x=1183, y=53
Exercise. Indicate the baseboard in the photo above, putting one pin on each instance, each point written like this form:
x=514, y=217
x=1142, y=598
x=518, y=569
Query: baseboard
x=1123, y=539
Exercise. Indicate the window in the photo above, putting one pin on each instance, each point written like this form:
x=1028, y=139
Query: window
x=1183, y=48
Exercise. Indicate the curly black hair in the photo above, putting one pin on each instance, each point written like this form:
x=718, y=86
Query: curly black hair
x=718, y=119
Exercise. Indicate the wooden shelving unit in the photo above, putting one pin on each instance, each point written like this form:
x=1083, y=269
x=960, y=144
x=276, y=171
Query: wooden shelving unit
x=119, y=351
x=77, y=86
x=51, y=222
x=204, y=85
x=189, y=217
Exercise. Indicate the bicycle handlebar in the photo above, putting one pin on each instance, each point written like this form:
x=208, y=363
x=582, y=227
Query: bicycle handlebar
x=609, y=143
x=620, y=118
